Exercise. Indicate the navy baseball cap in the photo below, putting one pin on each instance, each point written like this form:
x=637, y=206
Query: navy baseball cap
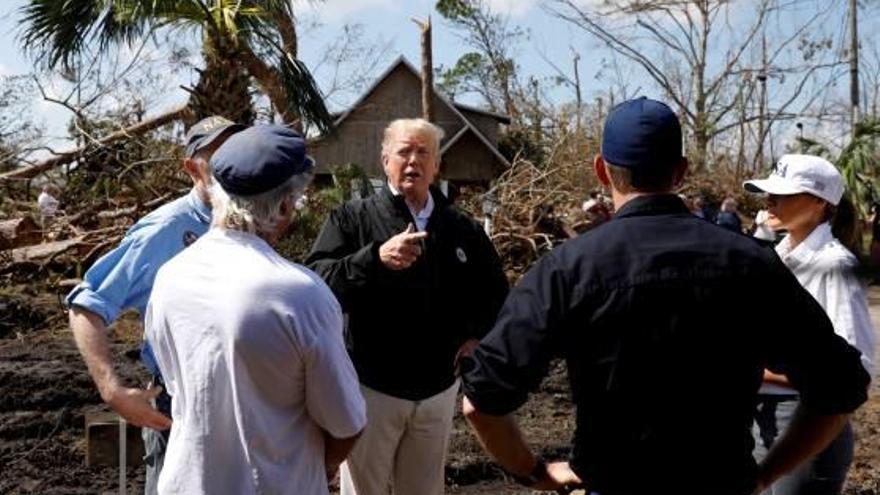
x=206, y=131
x=259, y=159
x=641, y=133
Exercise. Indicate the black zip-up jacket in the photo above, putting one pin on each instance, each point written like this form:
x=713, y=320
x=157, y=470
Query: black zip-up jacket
x=405, y=327
x=666, y=323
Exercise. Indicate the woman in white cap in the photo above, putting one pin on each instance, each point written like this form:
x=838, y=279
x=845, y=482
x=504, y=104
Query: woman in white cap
x=805, y=199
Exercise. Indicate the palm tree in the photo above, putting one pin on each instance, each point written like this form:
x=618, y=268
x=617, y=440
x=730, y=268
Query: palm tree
x=858, y=162
x=241, y=39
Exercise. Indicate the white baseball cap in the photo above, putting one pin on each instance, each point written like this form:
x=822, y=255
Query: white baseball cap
x=796, y=174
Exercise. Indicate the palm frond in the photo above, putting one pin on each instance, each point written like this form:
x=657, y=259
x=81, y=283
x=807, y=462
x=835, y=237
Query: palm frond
x=303, y=96
x=859, y=164
x=813, y=147
x=259, y=17
x=55, y=31
x=123, y=22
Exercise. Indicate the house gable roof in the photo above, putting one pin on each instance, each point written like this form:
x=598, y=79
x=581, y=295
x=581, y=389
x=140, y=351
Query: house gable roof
x=504, y=119
x=455, y=108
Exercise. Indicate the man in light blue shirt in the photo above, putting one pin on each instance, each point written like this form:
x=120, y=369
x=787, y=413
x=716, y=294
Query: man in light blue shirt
x=123, y=278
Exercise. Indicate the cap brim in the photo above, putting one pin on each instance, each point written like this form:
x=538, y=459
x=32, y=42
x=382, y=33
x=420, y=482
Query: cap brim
x=778, y=187
x=206, y=141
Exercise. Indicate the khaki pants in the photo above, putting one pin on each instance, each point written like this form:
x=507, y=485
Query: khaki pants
x=403, y=447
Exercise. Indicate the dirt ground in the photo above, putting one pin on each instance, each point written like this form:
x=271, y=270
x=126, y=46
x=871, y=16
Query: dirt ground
x=45, y=393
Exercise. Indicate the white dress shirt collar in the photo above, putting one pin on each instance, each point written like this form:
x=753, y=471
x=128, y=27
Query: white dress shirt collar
x=421, y=217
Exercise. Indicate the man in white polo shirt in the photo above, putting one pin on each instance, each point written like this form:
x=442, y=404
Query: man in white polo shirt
x=265, y=398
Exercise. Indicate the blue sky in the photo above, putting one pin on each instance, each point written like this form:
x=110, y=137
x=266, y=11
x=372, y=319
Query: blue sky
x=385, y=21
x=389, y=20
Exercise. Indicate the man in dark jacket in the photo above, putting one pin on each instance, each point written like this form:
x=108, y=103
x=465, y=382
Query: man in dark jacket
x=420, y=283
x=664, y=377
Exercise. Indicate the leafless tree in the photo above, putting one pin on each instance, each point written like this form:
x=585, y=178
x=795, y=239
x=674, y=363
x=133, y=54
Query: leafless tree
x=491, y=69
x=348, y=63
x=676, y=43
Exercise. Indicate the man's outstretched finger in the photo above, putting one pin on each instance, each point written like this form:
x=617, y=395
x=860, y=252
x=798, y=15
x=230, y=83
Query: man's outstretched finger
x=411, y=234
x=414, y=237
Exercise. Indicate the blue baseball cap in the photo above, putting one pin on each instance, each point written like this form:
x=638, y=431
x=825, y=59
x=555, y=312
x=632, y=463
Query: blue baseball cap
x=206, y=131
x=641, y=133
x=259, y=159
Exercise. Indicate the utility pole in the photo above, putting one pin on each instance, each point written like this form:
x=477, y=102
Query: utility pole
x=577, y=91
x=854, y=65
x=762, y=103
x=741, y=148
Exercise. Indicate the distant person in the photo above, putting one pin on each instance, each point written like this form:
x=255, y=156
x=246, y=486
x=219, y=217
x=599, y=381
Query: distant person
x=728, y=217
x=48, y=203
x=806, y=200
x=664, y=375
x=763, y=231
x=700, y=209
x=421, y=283
x=595, y=209
x=123, y=278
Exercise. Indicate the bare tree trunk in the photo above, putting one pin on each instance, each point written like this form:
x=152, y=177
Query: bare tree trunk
x=701, y=113
x=701, y=148
x=64, y=158
x=509, y=105
x=270, y=82
x=268, y=78
x=577, y=93
x=223, y=87
x=427, y=70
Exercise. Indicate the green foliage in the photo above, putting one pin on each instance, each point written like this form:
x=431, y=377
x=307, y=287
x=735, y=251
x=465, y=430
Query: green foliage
x=858, y=162
x=303, y=94
x=454, y=9
x=308, y=222
x=468, y=70
x=319, y=203
x=520, y=142
x=56, y=32
x=812, y=147
x=344, y=176
x=490, y=70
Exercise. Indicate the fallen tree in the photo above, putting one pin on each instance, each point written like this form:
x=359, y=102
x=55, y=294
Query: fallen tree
x=31, y=171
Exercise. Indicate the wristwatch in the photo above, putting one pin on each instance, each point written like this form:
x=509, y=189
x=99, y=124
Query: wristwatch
x=539, y=472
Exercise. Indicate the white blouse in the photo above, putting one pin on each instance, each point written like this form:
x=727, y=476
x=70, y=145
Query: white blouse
x=827, y=270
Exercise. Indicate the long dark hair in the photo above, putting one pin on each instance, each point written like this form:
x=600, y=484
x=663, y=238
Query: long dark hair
x=845, y=225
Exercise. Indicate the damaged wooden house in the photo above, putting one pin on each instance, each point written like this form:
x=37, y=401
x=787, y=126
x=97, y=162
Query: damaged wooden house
x=469, y=151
